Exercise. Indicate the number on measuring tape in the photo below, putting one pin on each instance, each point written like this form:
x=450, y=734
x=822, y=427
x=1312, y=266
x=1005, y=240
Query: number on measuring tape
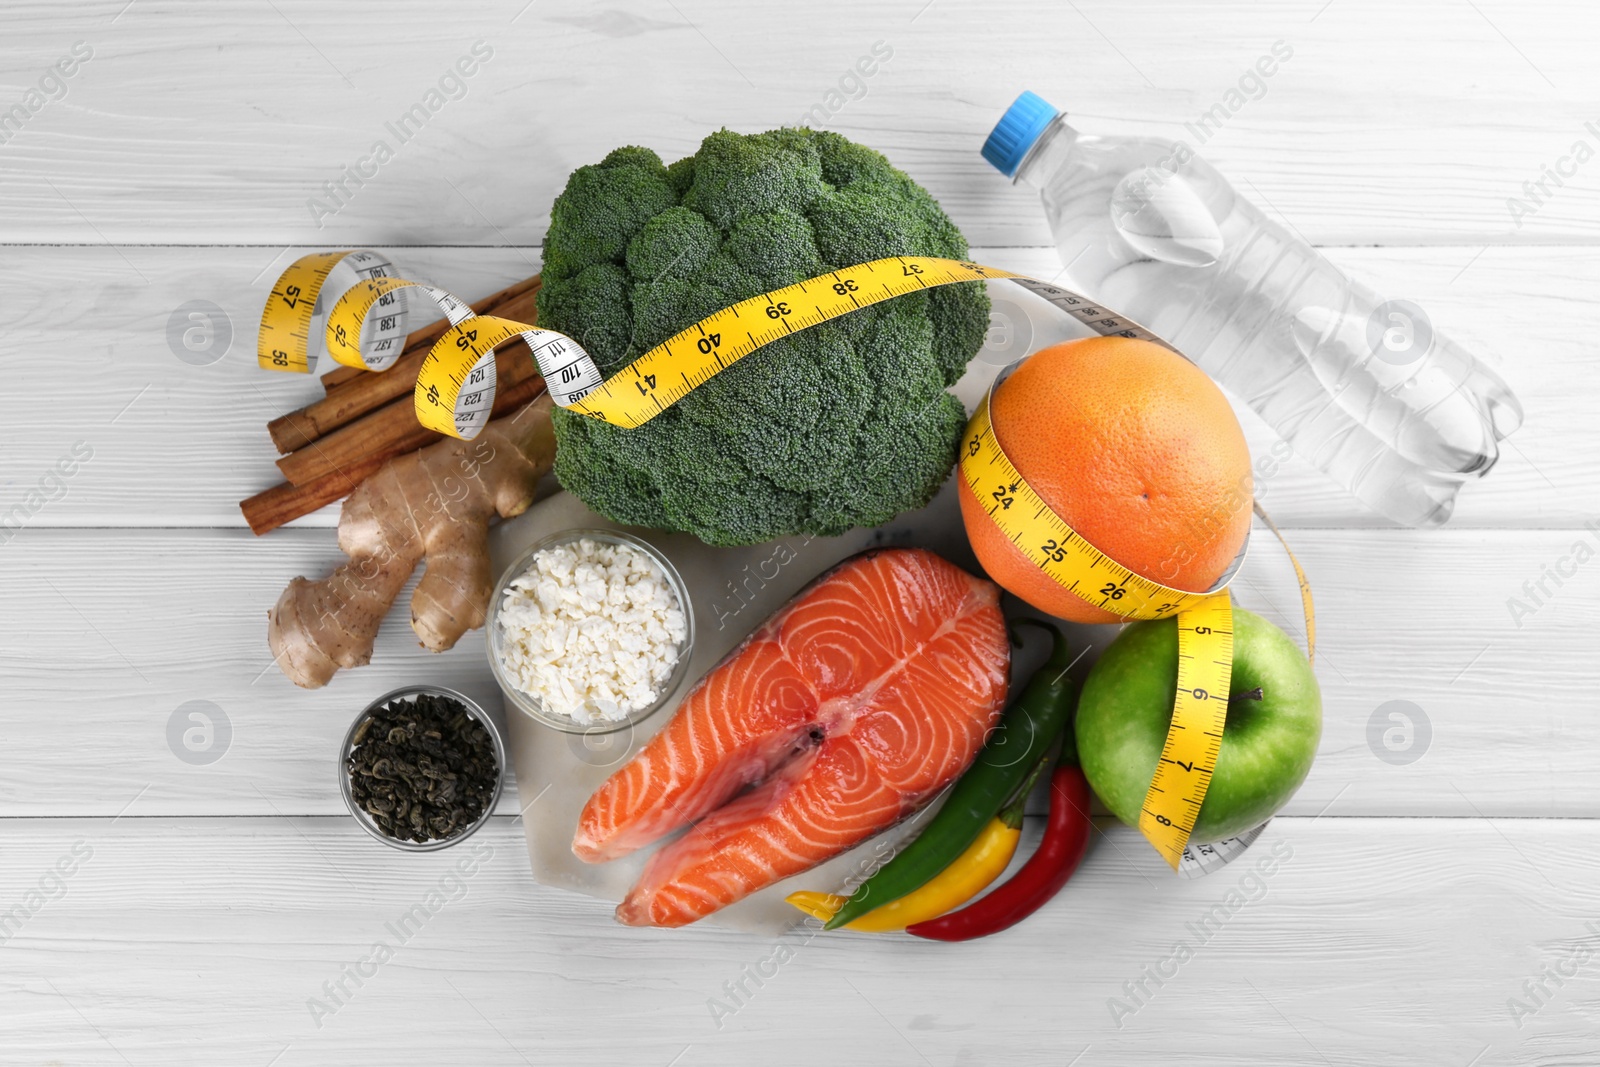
x=1200, y=860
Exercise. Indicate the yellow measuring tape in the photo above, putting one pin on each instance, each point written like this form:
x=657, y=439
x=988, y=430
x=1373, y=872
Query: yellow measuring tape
x=367, y=324
x=291, y=324
x=365, y=327
x=1205, y=628
x=455, y=392
x=676, y=367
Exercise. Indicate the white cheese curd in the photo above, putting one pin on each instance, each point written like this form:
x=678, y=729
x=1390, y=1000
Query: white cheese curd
x=592, y=629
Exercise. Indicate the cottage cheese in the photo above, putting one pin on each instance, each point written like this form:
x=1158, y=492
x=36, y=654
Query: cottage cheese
x=592, y=629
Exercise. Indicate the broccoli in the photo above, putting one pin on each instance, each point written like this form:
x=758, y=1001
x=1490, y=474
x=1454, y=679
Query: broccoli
x=844, y=424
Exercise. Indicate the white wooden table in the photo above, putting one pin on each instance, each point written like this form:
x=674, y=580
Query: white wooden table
x=208, y=904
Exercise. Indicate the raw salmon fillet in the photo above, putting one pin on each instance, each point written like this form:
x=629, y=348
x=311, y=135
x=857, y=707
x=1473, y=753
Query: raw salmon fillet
x=845, y=712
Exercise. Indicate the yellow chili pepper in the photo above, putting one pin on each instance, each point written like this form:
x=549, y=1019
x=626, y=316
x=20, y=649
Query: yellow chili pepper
x=971, y=873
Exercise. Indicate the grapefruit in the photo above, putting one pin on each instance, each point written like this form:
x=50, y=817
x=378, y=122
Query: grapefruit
x=1136, y=449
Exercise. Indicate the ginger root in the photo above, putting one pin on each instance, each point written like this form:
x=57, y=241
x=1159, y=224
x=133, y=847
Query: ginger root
x=432, y=505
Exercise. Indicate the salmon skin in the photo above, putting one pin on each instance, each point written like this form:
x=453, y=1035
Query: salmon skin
x=841, y=715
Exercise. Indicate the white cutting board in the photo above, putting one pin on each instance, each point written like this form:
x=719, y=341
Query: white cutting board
x=733, y=590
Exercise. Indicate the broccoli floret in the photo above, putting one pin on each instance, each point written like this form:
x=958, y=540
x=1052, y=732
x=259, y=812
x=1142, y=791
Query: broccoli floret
x=847, y=423
x=602, y=208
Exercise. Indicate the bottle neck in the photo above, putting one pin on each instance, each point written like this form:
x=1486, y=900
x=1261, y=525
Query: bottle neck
x=1048, y=154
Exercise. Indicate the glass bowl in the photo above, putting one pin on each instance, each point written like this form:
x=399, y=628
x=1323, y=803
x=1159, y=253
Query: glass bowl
x=366, y=822
x=529, y=703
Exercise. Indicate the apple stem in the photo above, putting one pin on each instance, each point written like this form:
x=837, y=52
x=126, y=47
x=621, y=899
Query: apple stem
x=1249, y=694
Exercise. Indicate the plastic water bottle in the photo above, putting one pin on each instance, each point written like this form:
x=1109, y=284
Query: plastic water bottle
x=1360, y=386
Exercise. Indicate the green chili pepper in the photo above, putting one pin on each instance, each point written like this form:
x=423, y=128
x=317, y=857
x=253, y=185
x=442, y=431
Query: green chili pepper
x=1026, y=731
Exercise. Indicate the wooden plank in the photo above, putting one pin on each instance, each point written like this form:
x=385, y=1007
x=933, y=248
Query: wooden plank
x=179, y=445
x=224, y=930
x=108, y=633
x=224, y=124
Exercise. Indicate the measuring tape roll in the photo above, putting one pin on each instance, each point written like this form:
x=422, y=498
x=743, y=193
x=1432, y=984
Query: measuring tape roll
x=455, y=392
x=294, y=325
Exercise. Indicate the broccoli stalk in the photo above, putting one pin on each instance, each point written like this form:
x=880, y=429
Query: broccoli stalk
x=844, y=424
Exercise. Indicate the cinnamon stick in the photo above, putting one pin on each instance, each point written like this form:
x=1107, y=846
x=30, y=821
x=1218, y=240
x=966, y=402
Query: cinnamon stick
x=395, y=422
x=271, y=508
x=339, y=375
x=352, y=393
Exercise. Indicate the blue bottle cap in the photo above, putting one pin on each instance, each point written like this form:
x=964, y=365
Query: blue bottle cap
x=1009, y=141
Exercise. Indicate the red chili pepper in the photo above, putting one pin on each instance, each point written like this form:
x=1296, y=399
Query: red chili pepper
x=1066, y=839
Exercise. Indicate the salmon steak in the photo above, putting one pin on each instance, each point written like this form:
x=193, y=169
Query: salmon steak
x=841, y=715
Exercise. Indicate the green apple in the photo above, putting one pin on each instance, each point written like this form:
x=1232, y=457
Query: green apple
x=1274, y=723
